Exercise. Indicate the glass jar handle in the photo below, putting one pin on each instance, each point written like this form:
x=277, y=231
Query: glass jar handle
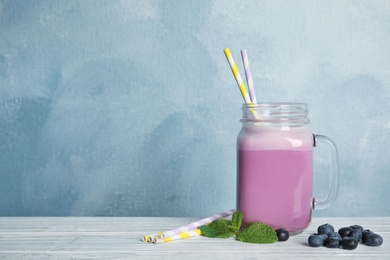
x=333, y=175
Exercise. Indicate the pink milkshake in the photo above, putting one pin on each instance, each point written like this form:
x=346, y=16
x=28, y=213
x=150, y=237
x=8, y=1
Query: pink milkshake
x=274, y=173
x=275, y=184
x=275, y=166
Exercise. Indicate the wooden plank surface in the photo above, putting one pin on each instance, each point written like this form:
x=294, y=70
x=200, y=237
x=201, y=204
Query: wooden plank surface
x=119, y=238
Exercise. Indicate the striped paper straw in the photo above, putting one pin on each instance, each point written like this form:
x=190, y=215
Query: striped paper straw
x=182, y=235
x=237, y=76
x=196, y=224
x=239, y=81
x=248, y=75
x=149, y=238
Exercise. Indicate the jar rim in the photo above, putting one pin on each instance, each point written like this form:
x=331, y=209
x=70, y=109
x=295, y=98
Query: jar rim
x=276, y=113
x=275, y=104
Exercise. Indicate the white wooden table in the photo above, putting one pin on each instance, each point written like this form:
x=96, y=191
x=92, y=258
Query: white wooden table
x=119, y=238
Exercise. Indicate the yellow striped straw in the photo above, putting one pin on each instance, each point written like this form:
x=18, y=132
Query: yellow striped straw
x=239, y=81
x=237, y=76
x=182, y=235
x=149, y=238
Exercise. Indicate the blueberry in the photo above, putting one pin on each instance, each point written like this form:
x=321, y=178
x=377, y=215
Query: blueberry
x=365, y=233
x=332, y=242
x=316, y=240
x=373, y=240
x=357, y=227
x=282, y=234
x=335, y=235
x=325, y=229
x=324, y=236
x=349, y=243
x=356, y=234
x=345, y=231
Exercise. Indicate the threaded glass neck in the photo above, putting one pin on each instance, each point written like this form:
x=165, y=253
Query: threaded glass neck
x=275, y=114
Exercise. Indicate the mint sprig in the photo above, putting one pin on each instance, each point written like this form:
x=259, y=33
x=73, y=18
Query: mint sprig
x=220, y=228
x=259, y=233
x=254, y=233
x=236, y=221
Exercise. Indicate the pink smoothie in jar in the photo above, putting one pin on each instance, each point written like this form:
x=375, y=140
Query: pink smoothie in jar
x=275, y=166
x=275, y=182
x=274, y=174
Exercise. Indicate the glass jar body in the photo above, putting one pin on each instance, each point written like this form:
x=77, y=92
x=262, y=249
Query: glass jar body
x=275, y=168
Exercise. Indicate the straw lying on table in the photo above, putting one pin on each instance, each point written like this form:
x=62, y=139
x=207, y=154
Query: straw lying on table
x=182, y=235
x=196, y=224
x=149, y=238
x=184, y=231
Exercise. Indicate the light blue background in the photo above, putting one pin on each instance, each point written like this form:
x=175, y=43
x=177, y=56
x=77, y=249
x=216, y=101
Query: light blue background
x=129, y=108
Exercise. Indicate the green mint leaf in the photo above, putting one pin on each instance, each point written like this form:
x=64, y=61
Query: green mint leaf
x=236, y=222
x=226, y=234
x=258, y=233
x=218, y=228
